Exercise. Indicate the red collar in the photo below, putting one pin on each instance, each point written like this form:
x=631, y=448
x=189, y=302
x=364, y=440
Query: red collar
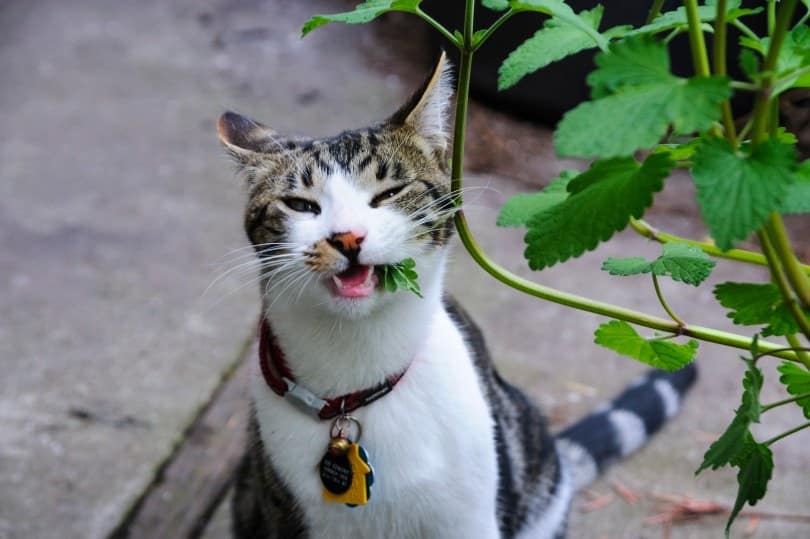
x=279, y=378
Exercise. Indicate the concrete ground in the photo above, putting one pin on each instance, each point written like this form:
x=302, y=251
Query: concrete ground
x=118, y=210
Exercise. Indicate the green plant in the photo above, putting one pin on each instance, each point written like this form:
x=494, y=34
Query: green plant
x=641, y=122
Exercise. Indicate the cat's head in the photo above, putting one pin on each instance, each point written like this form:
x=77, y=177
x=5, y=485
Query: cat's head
x=325, y=215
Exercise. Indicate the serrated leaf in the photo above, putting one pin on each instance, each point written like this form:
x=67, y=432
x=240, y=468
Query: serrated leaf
x=794, y=55
x=622, y=338
x=634, y=265
x=782, y=322
x=362, y=13
x=756, y=469
x=670, y=20
x=556, y=40
x=680, y=261
x=613, y=189
x=401, y=276
x=728, y=448
x=797, y=382
x=737, y=191
x=645, y=101
x=520, y=208
x=683, y=263
x=751, y=304
x=750, y=65
x=563, y=12
x=797, y=198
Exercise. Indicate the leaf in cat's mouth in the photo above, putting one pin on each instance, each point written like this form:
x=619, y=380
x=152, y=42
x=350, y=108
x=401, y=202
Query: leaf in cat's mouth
x=358, y=281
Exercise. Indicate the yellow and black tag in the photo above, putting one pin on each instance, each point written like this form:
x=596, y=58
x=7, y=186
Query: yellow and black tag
x=346, y=473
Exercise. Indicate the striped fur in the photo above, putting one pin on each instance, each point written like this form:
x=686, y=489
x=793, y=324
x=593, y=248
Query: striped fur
x=459, y=451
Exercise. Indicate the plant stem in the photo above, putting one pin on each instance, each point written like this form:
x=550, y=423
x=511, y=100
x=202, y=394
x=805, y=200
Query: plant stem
x=435, y=24
x=801, y=352
x=495, y=25
x=782, y=283
x=771, y=406
x=781, y=245
x=787, y=433
x=740, y=85
x=741, y=26
x=719, y=58
x=696, y=42
x=655, y=10
x=648, y=231
x=771, y=16
x=664, y=303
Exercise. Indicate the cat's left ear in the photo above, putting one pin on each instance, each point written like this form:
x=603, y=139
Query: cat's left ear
x=426, y=110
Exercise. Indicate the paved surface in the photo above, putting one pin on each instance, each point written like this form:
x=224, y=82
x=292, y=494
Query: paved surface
x=116, y=208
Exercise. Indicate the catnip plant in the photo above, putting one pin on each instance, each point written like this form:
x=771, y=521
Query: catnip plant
x=641, y=122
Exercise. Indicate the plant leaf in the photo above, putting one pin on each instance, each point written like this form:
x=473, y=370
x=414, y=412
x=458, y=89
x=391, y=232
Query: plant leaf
x=737, y=191
x=495, y=5
x=401, y=276
x=728, y=447
x=556, y=40
x=362, y=13
x=561, y=11
x=797, y=198
x=637, y=100
x=620, y=337
x=613, y=189
x=680, y=261
x=670, y=20
x=520, y=208
x=751, y=304
x=797, y=382
x=755, y=465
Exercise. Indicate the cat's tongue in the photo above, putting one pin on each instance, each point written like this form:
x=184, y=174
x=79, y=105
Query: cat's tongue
x=356, y=282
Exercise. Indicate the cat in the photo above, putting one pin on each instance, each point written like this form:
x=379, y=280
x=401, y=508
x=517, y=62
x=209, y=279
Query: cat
x=456, y=451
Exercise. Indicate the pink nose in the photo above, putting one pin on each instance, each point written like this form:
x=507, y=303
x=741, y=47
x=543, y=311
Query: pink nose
x=347, y=243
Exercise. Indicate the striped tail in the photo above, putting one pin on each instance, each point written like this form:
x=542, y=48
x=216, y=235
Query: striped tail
x=624, y=424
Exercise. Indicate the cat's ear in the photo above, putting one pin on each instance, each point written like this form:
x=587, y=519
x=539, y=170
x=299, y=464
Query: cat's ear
x=244, y=138
x=426, y=110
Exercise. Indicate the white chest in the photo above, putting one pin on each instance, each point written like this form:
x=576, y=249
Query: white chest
x=430, y=441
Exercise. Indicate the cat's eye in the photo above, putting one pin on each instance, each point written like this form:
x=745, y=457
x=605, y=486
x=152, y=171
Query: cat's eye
x=302, y=205
x=385, y=195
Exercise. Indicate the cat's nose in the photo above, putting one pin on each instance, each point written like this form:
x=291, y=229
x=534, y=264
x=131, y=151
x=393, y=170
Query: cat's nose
x=347, y=243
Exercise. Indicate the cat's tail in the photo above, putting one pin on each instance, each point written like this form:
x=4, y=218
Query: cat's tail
x=621, y=426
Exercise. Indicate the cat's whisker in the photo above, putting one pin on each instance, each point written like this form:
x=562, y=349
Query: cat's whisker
x=250, y=265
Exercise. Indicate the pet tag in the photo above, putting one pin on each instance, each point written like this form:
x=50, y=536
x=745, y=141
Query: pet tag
x=345, y=471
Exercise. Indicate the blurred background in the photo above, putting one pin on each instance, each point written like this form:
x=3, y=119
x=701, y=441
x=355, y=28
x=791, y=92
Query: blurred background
x=125, y=344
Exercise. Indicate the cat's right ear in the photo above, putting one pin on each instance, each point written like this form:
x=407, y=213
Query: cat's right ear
x=243, y=138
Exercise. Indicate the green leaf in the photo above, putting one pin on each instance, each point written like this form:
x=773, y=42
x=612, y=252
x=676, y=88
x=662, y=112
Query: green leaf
x=751, y=304
x=622, y=338
x=556, y=40
x=362, y=13
x=670, y=20
x=797, y=382
x=495, y=5
x=756, y=468
x=729, y=446
x=750, y=64
x=520, y=208
x=680, y=261
x=613, y=189
x=637, y=102
x=737, y=191
x=679, y=152
x=797, y=198
x=563, y=12
x=401, y=276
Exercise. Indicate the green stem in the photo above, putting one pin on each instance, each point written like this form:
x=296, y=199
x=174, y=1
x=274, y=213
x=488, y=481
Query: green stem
x=787, y=433
x=740, y=85
x=799, y=281
x=697, y=44
x=648, y=231
x=664, y=303
x=495, y=25
x=719, y=58
x=778, y=276
x=672, y=35
x=435, y=24
x=771, y=16
x=655, y=10
x=741, y=26
x=801, y=352
x=771, y=406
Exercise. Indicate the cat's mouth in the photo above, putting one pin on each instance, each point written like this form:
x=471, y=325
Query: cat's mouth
x=358, y=281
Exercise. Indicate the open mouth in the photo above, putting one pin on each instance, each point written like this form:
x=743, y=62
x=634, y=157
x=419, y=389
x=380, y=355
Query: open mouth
x=356, y=282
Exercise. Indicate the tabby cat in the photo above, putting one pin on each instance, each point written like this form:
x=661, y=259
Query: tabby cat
x=456, y=451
